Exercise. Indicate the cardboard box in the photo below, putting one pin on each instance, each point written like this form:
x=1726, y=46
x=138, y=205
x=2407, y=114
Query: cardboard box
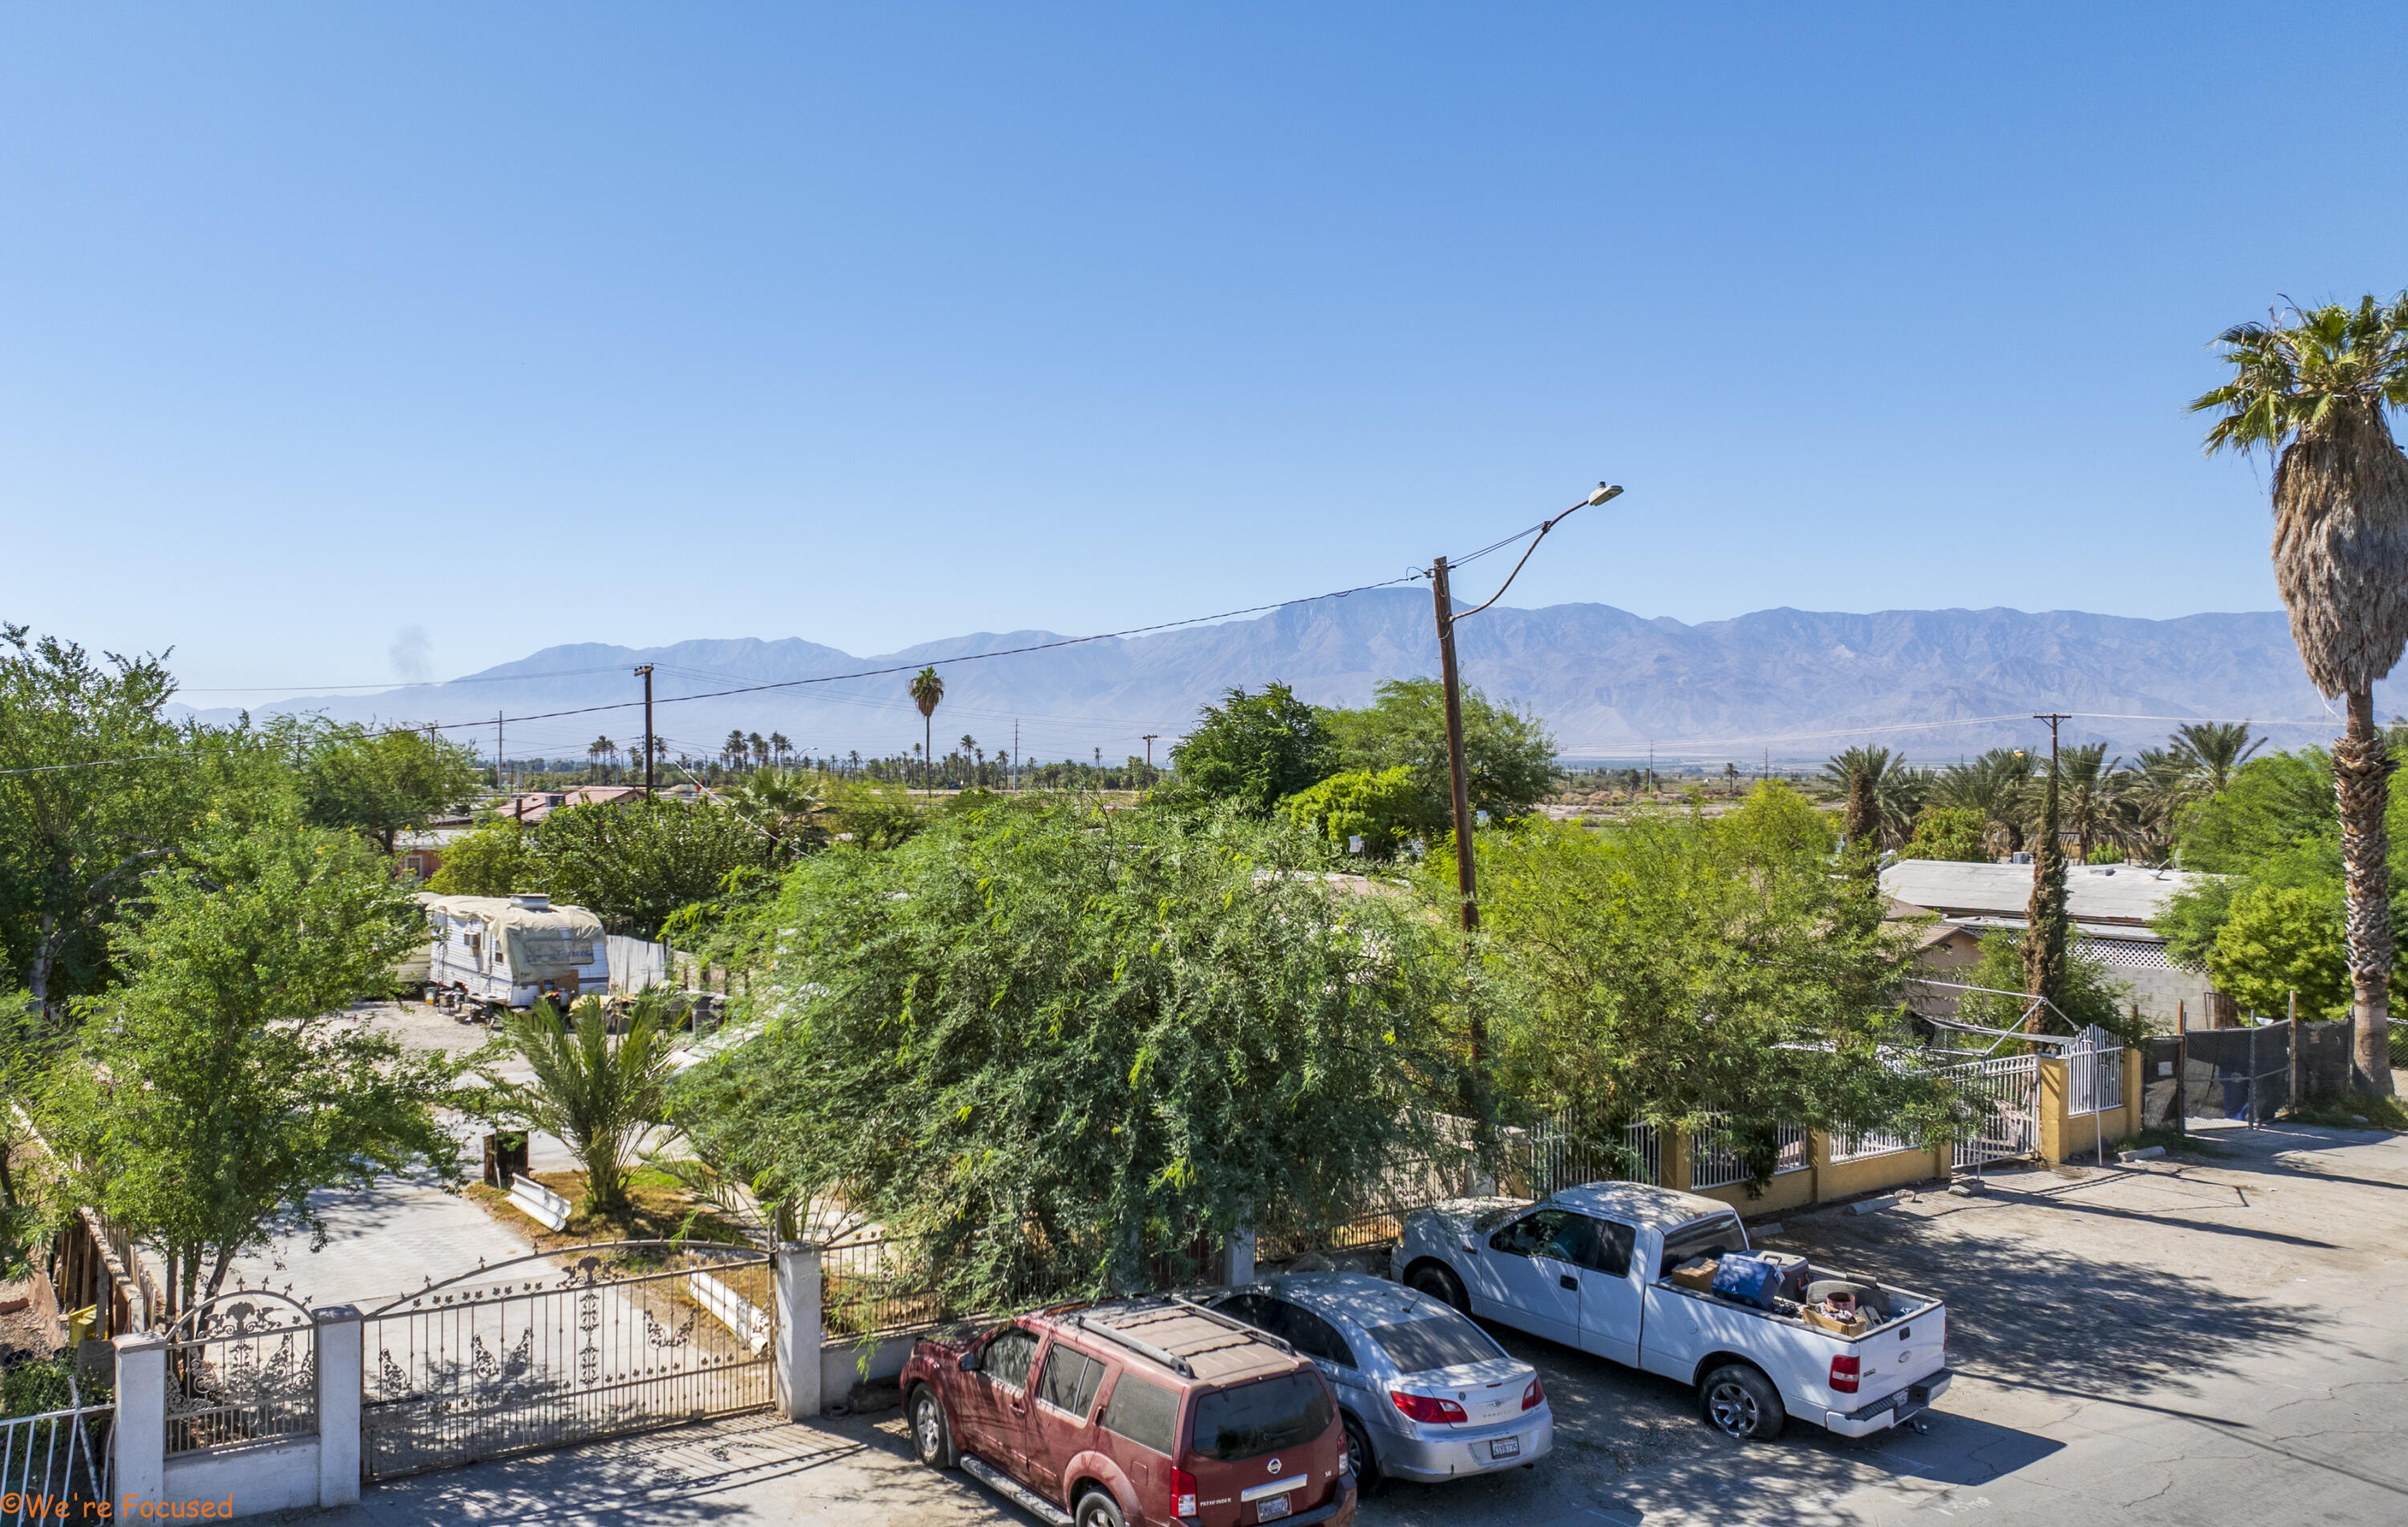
x=1698, y=1273
x=1813, y=1314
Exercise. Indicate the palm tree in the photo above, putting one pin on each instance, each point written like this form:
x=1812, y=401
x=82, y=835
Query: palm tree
x=595, y=1095
x=731, y=752
x=1998, y=784
x=1882, y=794
x=926, y=690
x=2147, y=805
x=2087, y=785
x=2314, y=389
x=779, y=747
x=599, y=749
x=2212, y=752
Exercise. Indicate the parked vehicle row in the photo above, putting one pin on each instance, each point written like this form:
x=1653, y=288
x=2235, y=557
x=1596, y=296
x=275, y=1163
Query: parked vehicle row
x=1286, y=1398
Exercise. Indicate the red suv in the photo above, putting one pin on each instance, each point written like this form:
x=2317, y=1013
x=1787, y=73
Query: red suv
x=1152, y=1411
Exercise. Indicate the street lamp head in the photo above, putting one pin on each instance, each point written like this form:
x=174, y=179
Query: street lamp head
x=1603, y=493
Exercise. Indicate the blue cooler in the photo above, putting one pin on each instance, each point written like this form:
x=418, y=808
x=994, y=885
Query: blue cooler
x=1748, y=1278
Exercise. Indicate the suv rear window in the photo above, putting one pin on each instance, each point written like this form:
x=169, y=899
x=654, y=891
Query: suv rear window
x=1146, y=1414
x=1262, y=1417
x=1444, y=1341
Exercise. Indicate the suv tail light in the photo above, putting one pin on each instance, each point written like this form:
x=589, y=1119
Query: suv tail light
x=1183, y=1493
x=1533, y=1397
x=1843, y=1374
x=1427, y=1408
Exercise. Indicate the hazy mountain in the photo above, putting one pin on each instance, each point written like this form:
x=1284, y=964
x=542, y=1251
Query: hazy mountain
x=1799, y=682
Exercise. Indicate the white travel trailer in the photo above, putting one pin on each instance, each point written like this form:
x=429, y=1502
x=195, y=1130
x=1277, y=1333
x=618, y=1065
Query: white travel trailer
x=495, y=952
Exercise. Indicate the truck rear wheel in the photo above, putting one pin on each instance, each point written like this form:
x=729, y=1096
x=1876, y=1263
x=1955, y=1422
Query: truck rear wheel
x=1742, y=1403
x=1434, y=1279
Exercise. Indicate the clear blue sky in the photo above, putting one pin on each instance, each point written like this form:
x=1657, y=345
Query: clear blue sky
x=543, y=322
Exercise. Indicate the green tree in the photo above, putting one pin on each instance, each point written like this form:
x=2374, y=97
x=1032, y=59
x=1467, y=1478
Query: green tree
x=2276, y=940
x=216, y=1089
x=1384, y=809
x=2087, y=787
x=2045, y=972
x=1256, y=749
x=595, y=1092
x=378, y=784
x=1998, y=784
x=1949, y=833
x=96, y=789
x=1690, y=969
x=1508, y=756
x=2212, y=752
x=2314, y=389
x=1053, y=1042
x=2270, y=804
x=494, y=859
x=634, y=863
x=927, y=690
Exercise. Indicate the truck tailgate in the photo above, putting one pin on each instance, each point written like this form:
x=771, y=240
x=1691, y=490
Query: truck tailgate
x=1891, y=1357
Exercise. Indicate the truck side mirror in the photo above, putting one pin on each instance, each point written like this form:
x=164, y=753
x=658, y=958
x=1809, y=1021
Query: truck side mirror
x=971, y=1361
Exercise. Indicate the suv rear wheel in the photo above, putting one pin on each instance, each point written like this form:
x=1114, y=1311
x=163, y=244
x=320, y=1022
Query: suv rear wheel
x=1097, y=1510
x=931, y=1438
x=1432, y=1278
x=1742, y=1403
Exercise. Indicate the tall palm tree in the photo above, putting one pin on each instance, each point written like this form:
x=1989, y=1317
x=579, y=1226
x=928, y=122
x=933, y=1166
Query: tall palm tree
x=1882, y=794
x=779, y=747
x=600, y=749
x=2315, y=390
x=2087, y=786
x=2212, y=752
x=731, y=752
x=1998, y=784
x=926, y=690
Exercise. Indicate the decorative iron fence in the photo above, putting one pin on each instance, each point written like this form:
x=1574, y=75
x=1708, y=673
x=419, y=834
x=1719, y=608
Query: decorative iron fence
x=564, y=1346
x=1860, y=1147
x=2004, y=1097
x=241, y=1368
x=873, y=1284
x=1716, y=1159
x=1557, y=1154
x=56, y=1466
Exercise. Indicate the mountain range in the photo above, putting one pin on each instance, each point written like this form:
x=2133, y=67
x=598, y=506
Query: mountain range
x=1796, y=685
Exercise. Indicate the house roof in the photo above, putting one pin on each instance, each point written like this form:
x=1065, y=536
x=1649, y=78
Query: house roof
x=2111, y=894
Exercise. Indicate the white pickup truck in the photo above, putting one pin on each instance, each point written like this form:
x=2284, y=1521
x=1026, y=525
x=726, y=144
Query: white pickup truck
x=1591, y=1267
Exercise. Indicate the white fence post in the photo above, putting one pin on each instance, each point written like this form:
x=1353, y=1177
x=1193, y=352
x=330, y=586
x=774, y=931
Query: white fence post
x=339, y=1357
x=140, y=1438
x=798, y=1330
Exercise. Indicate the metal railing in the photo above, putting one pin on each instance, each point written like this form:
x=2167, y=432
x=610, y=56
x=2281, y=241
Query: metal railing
x=2094, y=1073
x=1557, y=1154
x=1862, y=1148
x=1717, y=1160
x=241, y=1368
x=56, y=1466
x=2005, y=1098
x=873, y=1284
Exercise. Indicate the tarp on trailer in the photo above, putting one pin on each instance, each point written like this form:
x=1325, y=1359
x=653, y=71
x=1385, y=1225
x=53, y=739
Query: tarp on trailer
x=541, y=944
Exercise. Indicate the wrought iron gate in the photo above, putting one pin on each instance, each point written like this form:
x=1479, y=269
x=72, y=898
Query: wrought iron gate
x=2005, y=1098
x=565, y=1346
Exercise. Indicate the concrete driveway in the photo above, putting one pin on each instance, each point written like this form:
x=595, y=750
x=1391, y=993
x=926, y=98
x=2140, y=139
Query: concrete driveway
x=2199, y=1340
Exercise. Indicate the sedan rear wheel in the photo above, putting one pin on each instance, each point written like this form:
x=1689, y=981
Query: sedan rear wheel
x=1359, y=1457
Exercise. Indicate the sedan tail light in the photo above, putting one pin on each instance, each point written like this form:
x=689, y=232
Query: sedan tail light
x=1843, y=1375
x=1427, y=1408
x=1183, y=1493
x=1533, y=1397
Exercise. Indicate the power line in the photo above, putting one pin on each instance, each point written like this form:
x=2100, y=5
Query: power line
x=99, y=763
x=967, y=658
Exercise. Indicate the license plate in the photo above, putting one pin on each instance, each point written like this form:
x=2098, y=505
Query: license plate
x=1274, y=1508
x=1505, y=1448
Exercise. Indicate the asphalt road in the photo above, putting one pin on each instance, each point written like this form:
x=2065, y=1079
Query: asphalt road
x=2200, y=1341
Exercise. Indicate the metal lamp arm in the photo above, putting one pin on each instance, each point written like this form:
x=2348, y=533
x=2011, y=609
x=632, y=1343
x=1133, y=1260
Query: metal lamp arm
x=1599, y=497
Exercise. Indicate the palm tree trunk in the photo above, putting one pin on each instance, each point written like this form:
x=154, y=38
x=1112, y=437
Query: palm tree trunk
x=2362, y=768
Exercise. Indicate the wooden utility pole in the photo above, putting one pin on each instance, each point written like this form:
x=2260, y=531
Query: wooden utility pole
x=1465, y=881
x=646, y=671
x=497, y=752
x=1149, y=755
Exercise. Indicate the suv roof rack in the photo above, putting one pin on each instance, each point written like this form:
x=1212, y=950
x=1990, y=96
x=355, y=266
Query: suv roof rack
x=1143, y=1348
x=1233, y=1323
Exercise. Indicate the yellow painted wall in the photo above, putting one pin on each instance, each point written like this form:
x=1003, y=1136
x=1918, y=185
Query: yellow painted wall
x=1790, y=1190
x=1846, y=1179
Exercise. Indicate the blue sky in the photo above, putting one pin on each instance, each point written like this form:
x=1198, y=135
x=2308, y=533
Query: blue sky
x=875, y=324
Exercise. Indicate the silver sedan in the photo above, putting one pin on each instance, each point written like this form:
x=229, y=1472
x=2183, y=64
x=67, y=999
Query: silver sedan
x=1425, y=1394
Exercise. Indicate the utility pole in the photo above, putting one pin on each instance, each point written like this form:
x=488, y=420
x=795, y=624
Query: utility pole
x=497, y=752
x=647, y=673
x=1466, y=874
x=1016, y=755
x=1149, y=755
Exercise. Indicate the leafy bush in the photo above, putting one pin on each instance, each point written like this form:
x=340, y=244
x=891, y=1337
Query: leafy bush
x=1384, y=810
x=1949, y=832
